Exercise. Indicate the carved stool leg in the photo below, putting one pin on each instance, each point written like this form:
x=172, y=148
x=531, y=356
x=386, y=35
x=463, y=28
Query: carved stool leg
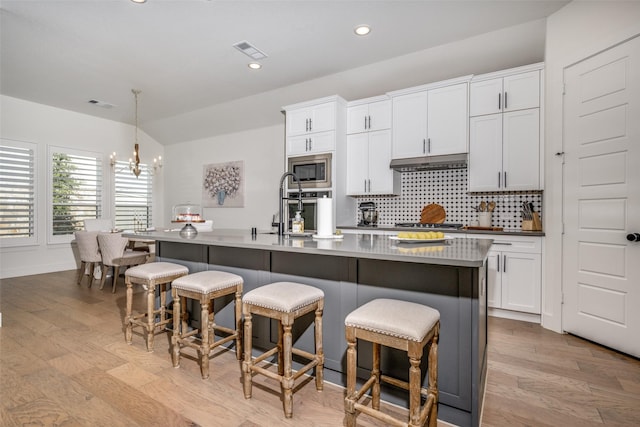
x=177, y=331
x=246, y=364
x=205, y=335
x=238, y=321
x=287, y=379
x=150, y=326
x=127, y=319
x=319, y=351
x=352, y=355
x=414, y=391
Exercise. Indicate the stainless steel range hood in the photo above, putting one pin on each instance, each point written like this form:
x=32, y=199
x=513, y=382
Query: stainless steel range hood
x=449, y=161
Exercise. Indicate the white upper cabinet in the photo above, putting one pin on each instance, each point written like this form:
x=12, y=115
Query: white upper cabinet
x=504, y=153
x=505, y=131
x=369, y=116
x=315, y=126
x=368, y=158
x=430, y=122
x=510, y=93
x=447, y=120
x=317, y=118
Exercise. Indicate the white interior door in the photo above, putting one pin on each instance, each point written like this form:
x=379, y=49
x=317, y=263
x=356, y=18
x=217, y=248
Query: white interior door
x=601, y=268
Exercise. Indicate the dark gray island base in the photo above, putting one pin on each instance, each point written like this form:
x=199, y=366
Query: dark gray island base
x=449, y=276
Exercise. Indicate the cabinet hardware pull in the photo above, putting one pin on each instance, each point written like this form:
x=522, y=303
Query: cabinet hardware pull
x=429, y=145
x=424, y=146
x=499, y=179
x=504, y=264
x=306, y=125
x=369, y=181
x=505, y=179
x=365, y=122
x=310, y=125
x=498, y=261
x=499, y=104
x=369, y=122
x=505, y=100
x=310, y=144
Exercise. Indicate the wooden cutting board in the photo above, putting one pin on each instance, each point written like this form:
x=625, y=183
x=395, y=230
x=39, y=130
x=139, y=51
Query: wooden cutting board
x=432, y=214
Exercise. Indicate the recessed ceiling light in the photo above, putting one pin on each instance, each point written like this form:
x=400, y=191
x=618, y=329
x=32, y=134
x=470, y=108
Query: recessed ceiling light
x=362, y=30
x=255, y=65
x=139, y=1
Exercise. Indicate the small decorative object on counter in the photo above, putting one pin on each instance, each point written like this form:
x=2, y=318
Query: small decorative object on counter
x=188, y=214
x=297, y=227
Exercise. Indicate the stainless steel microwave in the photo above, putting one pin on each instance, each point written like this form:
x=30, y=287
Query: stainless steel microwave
x=312, y=171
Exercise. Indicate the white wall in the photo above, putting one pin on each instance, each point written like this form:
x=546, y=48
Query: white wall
x=263, y=153
x=44, y=125
x=579, y=29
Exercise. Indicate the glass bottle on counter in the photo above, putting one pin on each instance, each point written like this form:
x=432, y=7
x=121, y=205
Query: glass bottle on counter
x=297, y=226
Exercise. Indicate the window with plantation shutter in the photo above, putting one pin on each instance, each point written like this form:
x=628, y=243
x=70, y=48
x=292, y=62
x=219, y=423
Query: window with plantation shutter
x=76, y=191
x=17, y=193
x=133, y=197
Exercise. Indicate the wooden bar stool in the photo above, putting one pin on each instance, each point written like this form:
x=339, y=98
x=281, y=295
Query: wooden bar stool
x=405, y=326
x=204, y=287
x=150, y=276
x=284, y=302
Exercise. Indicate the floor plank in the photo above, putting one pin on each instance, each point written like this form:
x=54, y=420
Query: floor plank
x=64, y=361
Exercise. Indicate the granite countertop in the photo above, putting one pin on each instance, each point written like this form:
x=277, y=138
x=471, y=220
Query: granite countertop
x=452, y=251
x=507, y=232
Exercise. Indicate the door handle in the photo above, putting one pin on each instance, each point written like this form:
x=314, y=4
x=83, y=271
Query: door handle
x=369, y=122
x=499, y=174
x=504, y=264
x=424, y=146
x=498, y=259
x=365, y=122
x=306, y=125
x=633, y=237
x=505, y=179
x=505, y=100
x=429, y=145
x=499, y=103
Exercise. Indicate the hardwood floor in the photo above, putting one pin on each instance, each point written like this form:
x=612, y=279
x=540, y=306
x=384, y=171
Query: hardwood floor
x=64, y=362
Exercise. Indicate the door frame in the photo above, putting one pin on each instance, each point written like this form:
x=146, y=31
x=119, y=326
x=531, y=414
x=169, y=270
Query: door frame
x=553, y=246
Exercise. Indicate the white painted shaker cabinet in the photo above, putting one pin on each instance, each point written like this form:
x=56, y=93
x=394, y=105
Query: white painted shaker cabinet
x=505, y=131
x=431, y=121
x=369, y=148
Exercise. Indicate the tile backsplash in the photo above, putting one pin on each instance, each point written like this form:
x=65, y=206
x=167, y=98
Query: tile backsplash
x=449, y=188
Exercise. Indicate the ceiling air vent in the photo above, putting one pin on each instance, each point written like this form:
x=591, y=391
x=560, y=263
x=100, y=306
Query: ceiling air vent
x=250, y=50
x=101, y=104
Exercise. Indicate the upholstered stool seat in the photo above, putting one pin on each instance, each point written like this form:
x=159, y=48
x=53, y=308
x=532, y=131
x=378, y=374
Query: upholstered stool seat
x=204, y=287
x=284, y=302
x=405, y=326
x=150, y=276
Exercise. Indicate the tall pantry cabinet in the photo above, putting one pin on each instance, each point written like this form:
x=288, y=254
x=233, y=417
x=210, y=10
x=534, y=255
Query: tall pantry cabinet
x=504, y=130
x=369, y=148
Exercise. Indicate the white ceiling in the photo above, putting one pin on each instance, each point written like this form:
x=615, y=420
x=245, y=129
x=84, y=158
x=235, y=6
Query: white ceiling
x=194, y=84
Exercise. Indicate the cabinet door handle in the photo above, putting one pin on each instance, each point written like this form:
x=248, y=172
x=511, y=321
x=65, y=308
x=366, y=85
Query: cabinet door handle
x=504, y=264
x=369, y=122
x=498, y=261
x=365, y=185
x=424, y=146
x=306, y=125
x=365, y=122
x=499, y=103
x=310, y=125
x=310, y=144
x=505, y=100
x=429, y=145
x=499, y=174
x=505, y=179
x=369, y=181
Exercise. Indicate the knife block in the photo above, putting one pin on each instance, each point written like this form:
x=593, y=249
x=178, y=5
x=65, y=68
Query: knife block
x=532, y=224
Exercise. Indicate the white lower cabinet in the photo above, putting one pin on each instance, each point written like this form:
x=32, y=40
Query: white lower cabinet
x=514, y=275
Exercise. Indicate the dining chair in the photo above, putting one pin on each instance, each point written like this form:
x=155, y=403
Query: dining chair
x=90, y=256
x=115, y=255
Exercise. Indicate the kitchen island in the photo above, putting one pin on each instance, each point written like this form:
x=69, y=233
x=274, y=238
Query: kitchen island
x=449, y=276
